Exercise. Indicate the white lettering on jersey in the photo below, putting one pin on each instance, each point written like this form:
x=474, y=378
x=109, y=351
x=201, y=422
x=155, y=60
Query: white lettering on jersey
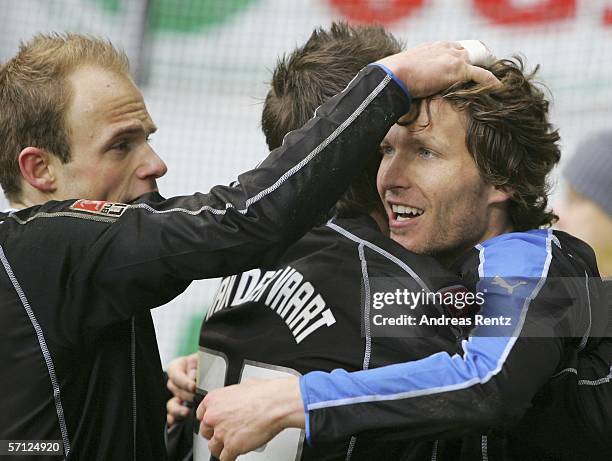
x=262, y=285
x=297, y=302
x=246, y=284
x=278, y=284
x=286, y=292
x=327, y=318
x=293, y=299
x=222, y=295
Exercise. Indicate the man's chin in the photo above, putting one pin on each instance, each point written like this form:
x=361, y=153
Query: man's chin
x=445, y=256
x=409, y=242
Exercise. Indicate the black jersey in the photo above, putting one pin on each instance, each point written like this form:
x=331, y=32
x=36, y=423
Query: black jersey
x=572, y=415
x=497, y=389
x=78, y=354
x=312, y=311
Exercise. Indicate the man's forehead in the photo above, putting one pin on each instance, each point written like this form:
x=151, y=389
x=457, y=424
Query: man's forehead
x=437, y=120
x=107, y=97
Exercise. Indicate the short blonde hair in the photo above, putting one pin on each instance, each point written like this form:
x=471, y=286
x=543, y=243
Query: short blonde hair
x=35, y=94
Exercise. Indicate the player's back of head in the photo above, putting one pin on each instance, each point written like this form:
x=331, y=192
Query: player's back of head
x=313, y=73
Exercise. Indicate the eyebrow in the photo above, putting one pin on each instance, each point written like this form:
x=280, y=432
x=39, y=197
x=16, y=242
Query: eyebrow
x=425, y=140
x=134, y=128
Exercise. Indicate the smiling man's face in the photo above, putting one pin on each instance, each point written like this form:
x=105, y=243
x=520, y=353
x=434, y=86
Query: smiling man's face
x=436, y=200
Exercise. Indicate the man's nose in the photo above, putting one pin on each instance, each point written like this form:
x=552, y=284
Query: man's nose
x=395, y=172
x=154, y=167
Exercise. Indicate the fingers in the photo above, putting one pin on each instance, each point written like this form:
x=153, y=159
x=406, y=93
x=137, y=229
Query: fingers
x=226, y=455
x=206, y=431
x=430, y=68
x=180, y=392
x=482, y=76
x=175, y=411
x=181, y=377
x=478, y=55
x=192, y=361
x=216, y=447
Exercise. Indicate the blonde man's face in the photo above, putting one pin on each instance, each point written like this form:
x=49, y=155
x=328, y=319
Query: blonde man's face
x=109, y=128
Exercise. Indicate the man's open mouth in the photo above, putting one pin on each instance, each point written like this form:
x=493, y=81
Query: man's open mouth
x=404, y=213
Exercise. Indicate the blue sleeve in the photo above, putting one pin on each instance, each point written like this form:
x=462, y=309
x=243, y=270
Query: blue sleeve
x=495, y=377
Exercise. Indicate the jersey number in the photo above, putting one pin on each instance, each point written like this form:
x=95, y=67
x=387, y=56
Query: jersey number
x=212, y=370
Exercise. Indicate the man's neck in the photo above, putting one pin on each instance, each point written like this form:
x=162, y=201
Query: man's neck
x=13, y=207
x=451, y=257
x=24, y=202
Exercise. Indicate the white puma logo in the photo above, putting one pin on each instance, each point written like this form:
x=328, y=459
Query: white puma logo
x=497, y=280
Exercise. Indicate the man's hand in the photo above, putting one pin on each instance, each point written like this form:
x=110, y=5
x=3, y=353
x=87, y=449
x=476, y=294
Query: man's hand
x=175, y=411
x=430, y=68
x=241, y=418
x=181, y=382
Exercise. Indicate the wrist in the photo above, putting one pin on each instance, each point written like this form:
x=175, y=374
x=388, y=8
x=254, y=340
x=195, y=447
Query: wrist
x=395, y=78
x=289, y=408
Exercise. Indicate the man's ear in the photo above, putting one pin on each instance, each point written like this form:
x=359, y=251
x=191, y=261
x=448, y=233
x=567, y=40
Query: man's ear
x=499, y=194
x=34, y=164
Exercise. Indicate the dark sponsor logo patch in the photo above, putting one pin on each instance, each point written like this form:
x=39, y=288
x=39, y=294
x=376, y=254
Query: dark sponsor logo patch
x=100, y=207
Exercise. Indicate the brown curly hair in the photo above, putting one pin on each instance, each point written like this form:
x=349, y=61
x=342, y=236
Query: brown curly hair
x=509, y=136
x=511, y=139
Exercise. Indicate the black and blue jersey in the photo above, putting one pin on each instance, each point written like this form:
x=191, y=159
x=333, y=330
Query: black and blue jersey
x=477, y=402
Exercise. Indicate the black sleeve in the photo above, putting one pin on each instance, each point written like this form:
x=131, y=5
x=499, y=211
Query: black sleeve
x=592, y=379
x=149, y=252
x=578, y=401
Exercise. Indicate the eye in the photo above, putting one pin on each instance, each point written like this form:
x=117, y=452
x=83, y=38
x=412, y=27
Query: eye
x=426, y=153
x=386, y=149
x=122, y=146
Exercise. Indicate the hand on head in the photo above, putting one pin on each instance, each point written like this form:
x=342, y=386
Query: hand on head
x=430, y=68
